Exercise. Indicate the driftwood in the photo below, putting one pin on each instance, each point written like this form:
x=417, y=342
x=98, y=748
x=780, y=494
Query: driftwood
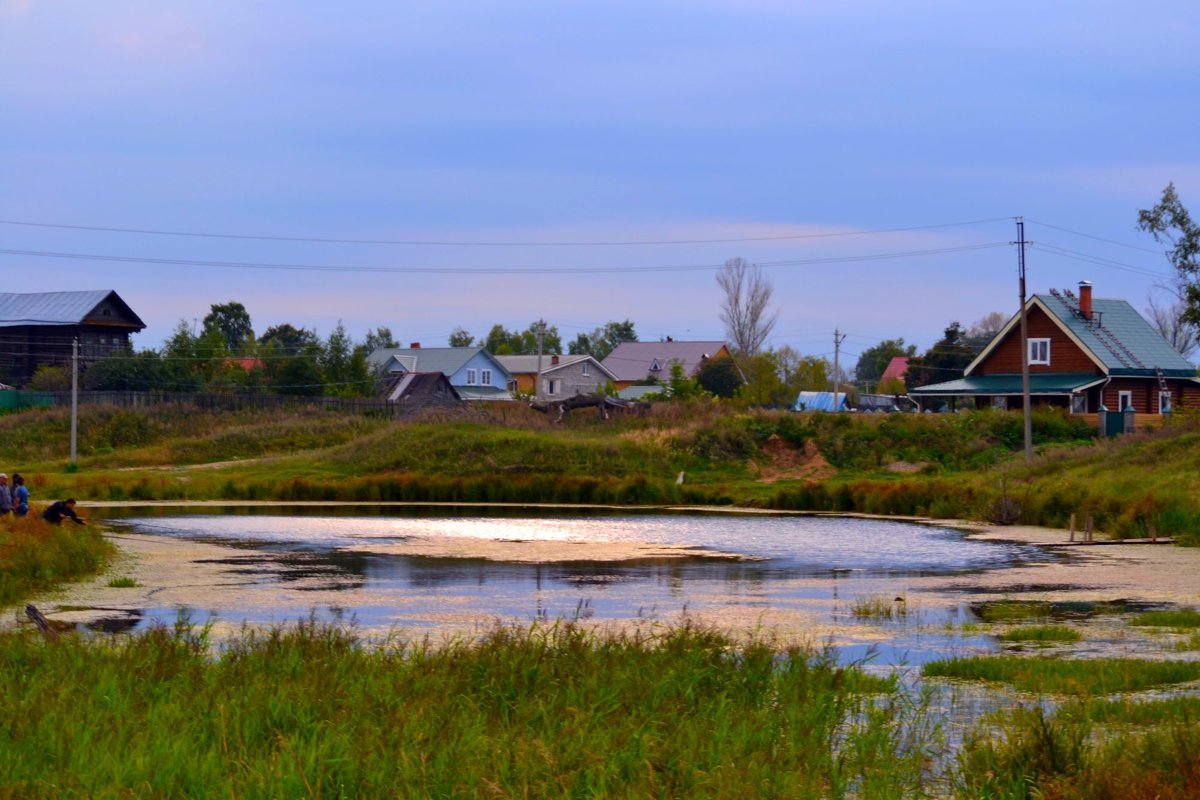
x=40, y=620
x=601, y=403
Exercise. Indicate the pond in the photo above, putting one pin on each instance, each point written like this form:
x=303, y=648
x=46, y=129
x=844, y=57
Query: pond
x=858, y=583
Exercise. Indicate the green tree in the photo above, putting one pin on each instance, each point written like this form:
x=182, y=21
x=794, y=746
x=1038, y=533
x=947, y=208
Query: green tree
x=1169, y=222
x=124, y=370
x=874, y=360
x=459, y=337
x=503, y=342
x=380, y=338
x=603, y=340
x=290, y=339
x=720, y=377
x=232, y=322
x=946, y=360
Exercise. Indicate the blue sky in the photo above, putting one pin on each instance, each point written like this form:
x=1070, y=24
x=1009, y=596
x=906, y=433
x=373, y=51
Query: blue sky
x=593, y=122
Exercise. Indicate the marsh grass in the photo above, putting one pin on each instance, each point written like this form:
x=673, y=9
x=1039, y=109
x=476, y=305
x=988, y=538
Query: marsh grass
x=1177, y=618
x=123, y=582
x=1038, y=755
x=1014, y=610
x=1089, y=677
x=540, y=712
x=1041, y=633
x=881, y=608
x=36, y=556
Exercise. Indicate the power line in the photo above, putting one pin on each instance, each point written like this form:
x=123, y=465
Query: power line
x=446, y=243
x=1088, y=258
x=1098, y=238
x=186, y=262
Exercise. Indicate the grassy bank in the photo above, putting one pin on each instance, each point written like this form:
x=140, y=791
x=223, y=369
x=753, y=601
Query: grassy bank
x=554, y=712
x=36, y=556
x=946, y=466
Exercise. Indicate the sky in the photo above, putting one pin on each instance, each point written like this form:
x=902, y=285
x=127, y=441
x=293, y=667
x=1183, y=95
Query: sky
x=510, y=161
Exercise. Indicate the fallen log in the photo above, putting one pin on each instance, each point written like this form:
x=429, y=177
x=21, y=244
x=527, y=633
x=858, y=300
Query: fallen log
x=599, y=402
x=39, y=619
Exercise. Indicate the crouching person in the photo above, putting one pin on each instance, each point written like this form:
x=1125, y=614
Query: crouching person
x=60, y=509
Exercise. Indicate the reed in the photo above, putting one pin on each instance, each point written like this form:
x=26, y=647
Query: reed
x=541, y=712
x=1088, y=677
x=36, y=556
x=1177, y=618
x=1041, y=633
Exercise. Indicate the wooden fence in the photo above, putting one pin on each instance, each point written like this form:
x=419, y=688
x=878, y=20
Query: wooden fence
x=13, y=400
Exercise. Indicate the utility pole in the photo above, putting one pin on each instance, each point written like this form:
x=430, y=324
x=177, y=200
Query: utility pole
x=541, y=332
x=838, y=338
x=74, y=396
x=1028, y=411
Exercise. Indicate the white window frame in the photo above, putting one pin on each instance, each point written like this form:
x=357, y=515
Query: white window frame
x=1124, y=399
x=585, y=369
x=550, y=386
x=1079, y=402
x=471, y=377
x=485, y=377
x=1164, y=401
x=1039, y=352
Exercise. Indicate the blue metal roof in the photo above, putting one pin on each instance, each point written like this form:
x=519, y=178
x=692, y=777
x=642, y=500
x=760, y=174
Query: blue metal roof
x=819, y=401
x=50, y=308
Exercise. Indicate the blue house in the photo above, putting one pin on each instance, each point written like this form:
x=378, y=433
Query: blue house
x=473, y=372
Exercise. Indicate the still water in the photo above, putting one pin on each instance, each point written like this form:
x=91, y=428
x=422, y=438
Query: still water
x=426, y=572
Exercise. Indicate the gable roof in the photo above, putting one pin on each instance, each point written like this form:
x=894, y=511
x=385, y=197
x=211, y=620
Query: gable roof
x=448, y=360
x=1117, y=338
x=895, y=369
x=60, y=308
x=414, y=384
x=632, y=361
x=527, y=365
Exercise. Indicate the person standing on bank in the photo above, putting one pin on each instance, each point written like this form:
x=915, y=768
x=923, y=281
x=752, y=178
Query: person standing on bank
x=60, y=509
x=6, y=501
x=20, y=495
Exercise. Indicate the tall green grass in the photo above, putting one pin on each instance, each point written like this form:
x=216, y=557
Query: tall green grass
x=36, y=556
x=548, y=712
x=1091, y=677
x=1176, y=618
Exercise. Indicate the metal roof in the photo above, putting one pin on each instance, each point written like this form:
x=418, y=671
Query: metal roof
x=1005, y=384
x=54, y=308
x=529, y=364
x=633, y=361
x=448, y=360
x=819, y=401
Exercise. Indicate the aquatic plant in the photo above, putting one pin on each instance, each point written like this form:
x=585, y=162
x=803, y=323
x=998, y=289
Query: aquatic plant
x=1042, y=633
x=1013, y=610
x=1176, y=618
x=1090, y=677
x=880, y=607
x=123, y=582
x=36, y=556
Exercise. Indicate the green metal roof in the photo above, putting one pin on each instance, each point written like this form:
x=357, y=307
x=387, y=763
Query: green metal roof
x=1040, y=383
x=1120, y=337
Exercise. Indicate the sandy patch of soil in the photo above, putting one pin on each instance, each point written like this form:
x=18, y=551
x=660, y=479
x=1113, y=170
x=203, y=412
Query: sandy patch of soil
x=788, y=462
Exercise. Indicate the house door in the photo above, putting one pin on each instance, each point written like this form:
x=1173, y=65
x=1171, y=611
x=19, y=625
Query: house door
x=1124, y=400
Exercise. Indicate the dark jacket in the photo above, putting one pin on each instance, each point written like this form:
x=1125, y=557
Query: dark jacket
x=57, y=511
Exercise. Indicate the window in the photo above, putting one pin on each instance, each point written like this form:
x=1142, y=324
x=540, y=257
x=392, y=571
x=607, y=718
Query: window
x=550, y=386
x=999, y=401
x=1164, y=402
x=1125, y=400
x=656, y=367
x=585, y=369
x=1039, y=351
x=1079, y=403
x=470, y=377
x=485, y=377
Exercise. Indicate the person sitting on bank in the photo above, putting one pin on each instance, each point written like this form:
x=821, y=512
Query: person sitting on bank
x=60, y=509
x=20, y=495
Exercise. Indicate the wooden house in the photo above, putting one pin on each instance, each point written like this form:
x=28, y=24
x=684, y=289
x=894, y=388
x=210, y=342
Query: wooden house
x=633, y=362
x=40, y=328
x=1084, y=353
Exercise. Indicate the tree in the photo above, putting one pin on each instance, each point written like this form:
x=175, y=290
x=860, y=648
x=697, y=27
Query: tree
x=124, y=370
x=379, y=339
x=232, y=321
x=719, y=376
x=987, y=326
x=874, y=360
x=1168, y=320
x=460, y=338
x=1169, y=222
x=503, y=342
x=944, y=361
x=290, y=339
x=603, y=340
x=747, y=293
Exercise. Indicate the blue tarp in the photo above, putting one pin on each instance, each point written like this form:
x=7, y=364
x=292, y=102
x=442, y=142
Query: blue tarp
x=819, y=401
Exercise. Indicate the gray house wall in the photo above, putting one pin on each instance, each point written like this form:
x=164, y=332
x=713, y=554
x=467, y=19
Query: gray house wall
x=571, y=380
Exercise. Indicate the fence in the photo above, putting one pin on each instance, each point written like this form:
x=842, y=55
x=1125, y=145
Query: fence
x=19, y=399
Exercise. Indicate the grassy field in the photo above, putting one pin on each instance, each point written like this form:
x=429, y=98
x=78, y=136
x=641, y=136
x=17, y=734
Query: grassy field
x=551, y=712
x=947, y=466
x=36, y=556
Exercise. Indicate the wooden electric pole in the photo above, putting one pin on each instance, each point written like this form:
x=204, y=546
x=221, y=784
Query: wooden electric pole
x=1025, y=403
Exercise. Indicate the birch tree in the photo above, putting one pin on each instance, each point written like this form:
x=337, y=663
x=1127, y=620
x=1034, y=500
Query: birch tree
x=747, y=293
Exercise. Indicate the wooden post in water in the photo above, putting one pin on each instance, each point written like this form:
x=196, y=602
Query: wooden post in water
x=1072, y=526
x=1087, y=537
x=40, y=621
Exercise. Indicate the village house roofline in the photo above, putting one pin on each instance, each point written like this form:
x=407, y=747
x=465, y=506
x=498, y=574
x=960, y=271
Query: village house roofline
x=63, y=308
x=1120, y=323
x=527, y=365
x=631, y=361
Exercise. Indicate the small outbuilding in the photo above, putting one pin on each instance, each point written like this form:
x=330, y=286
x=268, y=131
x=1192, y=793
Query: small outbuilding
x=820, y=401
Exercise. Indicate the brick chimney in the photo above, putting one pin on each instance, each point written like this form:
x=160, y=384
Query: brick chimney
x=553, y=360
x=414, y=345
x=1085, y=299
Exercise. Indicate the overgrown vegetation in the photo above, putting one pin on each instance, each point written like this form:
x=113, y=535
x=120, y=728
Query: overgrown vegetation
x=547, y=712
x=1089, y=677
x=1176, y=618
x=36, y=556
x=1041, y=633
x=945, y=465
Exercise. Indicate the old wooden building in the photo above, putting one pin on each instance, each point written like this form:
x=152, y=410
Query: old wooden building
x=39, y=328
x=1084, y=353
